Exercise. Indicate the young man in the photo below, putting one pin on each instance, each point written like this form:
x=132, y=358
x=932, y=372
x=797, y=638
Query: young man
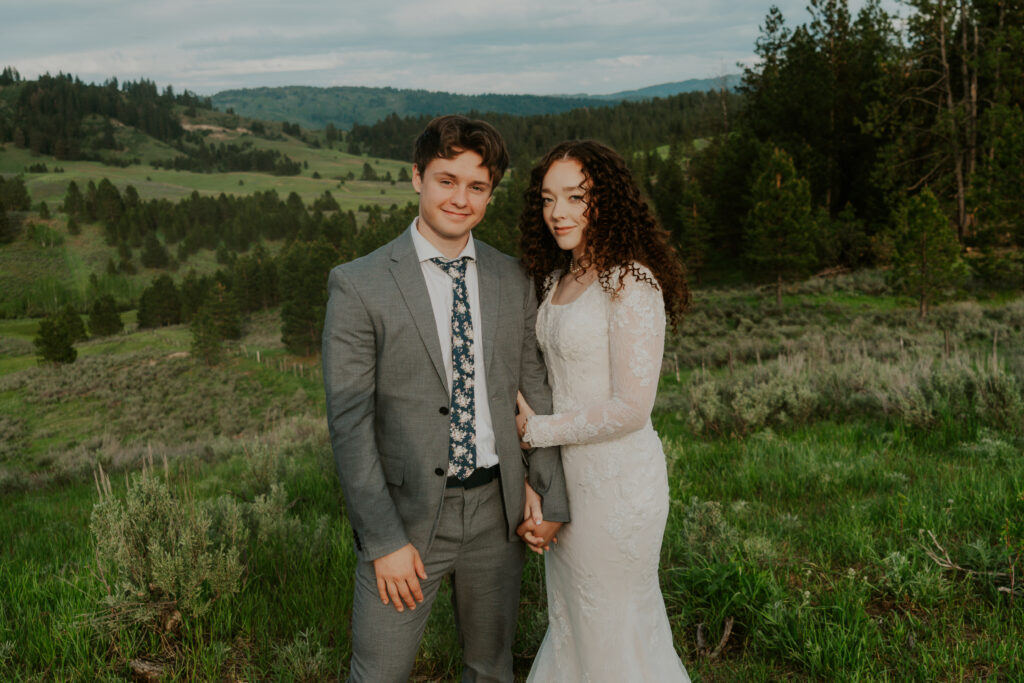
x=426, y=342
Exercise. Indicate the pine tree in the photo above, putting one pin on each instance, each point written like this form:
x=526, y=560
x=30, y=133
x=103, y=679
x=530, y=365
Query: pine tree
x=996, y=193
x=73, y=227
x=303, y=269
x=223, y=308
x=54, y=342
x=72, y=321
x=927, y=263
x=6, y=226
x=693, y=238
x=779, y=238
x=206, y=338
x=109, y=205
x=160, y=304
x=193, y=294
x=368, y=172
x=104, y=319
x=154, y=254
x=14, y=194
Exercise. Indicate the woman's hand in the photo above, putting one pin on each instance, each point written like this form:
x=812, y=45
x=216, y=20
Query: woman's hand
x=524, y=413
x=533, y=508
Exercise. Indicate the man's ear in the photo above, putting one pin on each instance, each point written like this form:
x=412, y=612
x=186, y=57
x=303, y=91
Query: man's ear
x=417, y=179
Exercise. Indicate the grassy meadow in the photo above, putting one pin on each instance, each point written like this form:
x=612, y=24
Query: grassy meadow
x=47, y=267
x=846, y=479
x=332, y=165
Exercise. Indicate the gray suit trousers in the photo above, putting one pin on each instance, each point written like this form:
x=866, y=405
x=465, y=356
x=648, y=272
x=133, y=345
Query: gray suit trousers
x=471, y=547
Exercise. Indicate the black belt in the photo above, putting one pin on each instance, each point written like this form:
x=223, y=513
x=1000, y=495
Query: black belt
x=480, y=476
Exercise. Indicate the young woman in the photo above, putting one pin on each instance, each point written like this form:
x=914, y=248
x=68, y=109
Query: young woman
x=607, y=279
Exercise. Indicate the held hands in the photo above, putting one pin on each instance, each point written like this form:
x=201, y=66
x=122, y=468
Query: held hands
x=523, y=413
x=398, y=575
x=535, y=532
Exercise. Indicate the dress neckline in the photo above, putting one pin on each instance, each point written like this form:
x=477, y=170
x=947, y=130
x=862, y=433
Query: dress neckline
x=554, y=287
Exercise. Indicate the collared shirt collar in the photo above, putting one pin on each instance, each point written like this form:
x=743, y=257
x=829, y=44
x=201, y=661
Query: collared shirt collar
x=426, y=251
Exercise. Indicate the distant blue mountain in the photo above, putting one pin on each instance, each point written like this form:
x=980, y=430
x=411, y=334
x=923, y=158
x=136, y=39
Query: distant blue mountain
x=668, y=89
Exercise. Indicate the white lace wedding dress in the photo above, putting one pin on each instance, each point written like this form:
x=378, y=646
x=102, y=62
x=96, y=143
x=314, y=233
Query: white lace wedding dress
x=606, y=615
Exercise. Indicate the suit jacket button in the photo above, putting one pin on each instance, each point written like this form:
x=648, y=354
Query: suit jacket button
x=443, y=410
x=439, y=472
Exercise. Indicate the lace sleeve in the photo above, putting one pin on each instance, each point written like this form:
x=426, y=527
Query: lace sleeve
x=636, y=339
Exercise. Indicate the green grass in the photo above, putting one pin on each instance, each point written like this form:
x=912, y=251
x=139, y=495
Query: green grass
x=152, y=183
x=20, y=328
x=813, y=515
x=811, y=537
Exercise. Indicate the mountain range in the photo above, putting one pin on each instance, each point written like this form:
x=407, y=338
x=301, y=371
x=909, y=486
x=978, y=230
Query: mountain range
x=313, y=107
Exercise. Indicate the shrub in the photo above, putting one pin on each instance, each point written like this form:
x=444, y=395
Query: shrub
x=45, y=236
x=13, y=436
x=158, y=557
x=843, y=384
x=278, y=534
x=705, y=531
x=915, y=577
x=1001, y=403
x=302, y=660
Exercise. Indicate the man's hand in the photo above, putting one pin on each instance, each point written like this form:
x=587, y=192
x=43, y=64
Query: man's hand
x=523, y=413
x=538, y=537
x=397, y=581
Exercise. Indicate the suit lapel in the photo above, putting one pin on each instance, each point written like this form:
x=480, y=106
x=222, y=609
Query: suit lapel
x=405, y=268
x=490, y=299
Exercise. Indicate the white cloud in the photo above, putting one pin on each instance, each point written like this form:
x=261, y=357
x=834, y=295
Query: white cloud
x=535, y=46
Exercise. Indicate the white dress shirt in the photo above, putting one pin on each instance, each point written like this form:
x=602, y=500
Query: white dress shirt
x=439, y=287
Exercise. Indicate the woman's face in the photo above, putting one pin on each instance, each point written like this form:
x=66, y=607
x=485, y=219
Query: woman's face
x=564, y=193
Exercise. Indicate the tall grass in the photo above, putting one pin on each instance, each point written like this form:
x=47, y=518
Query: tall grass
x=846, y=500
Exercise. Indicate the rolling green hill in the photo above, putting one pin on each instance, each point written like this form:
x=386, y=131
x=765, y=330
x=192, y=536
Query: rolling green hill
x=47, y=265
x=347, y=105
x=316, y=107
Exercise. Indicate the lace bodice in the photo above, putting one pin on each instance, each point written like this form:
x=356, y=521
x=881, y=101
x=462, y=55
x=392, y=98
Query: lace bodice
x=624, y=332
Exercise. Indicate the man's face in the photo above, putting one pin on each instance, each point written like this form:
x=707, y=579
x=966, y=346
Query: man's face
x=453, y=198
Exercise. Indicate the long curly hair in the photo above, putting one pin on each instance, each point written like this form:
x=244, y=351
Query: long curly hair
x=621, y=230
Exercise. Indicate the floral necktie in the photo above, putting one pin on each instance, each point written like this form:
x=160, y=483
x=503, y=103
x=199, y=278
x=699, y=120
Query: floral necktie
x=462, y=430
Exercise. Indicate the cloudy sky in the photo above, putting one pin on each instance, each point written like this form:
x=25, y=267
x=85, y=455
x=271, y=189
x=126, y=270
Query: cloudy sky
x=463, y=46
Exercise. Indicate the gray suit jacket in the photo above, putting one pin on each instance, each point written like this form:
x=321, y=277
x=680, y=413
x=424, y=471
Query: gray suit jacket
x=386, y=388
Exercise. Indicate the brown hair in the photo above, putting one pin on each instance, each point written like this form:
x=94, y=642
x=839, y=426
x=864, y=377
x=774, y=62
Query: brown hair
x=621, y=233
x=448, y=136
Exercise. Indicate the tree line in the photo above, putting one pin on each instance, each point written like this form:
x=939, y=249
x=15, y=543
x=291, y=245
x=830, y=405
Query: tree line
x=229, y=158
x=843, y=121
x=51, y=115
x=626, y=126
x=864, y=140
x=875, y=114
